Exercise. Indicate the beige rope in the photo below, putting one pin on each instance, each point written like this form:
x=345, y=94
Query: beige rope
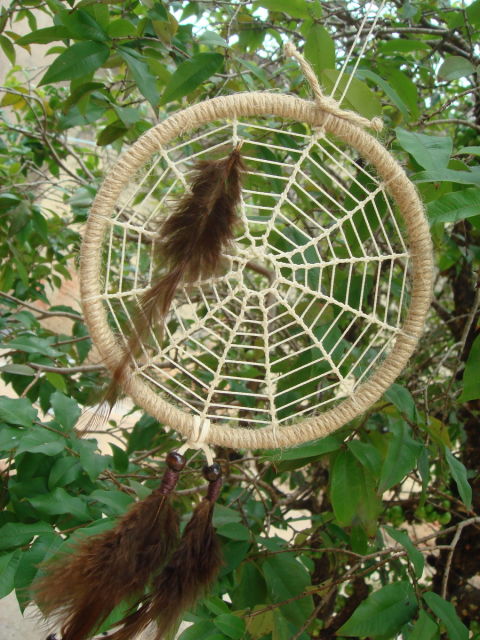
x=327, y=103
x=400, y=189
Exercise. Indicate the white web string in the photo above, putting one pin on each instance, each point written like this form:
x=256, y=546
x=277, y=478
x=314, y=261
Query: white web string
x=266, y=346
x=349, y=56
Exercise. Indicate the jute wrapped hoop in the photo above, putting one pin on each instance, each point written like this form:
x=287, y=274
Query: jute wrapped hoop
x=348, y=127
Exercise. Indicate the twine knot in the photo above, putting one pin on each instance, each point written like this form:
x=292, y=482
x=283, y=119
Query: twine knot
x=198, y=438
x=328, y=103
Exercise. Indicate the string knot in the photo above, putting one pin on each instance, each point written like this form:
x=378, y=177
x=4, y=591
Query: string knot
x=328, y=103
x=198, y=438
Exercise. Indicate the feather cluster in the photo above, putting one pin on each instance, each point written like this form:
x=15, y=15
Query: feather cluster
x=189, y=573
x=81, y=588
x=191, y=243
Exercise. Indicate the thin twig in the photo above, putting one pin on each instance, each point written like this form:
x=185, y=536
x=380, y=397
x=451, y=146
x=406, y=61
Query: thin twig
x=453, y=545
x=464, y=123
x=43, y=313
x=83, y=368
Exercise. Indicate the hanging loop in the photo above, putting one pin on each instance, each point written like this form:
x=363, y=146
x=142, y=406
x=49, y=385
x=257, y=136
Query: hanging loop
x=327, y=103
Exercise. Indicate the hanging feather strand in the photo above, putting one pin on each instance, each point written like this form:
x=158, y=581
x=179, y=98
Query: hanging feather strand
x=190, y=572
x=80, y=589
x=190, y=244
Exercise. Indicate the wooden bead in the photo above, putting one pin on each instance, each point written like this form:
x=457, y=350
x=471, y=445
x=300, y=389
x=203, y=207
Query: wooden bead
x=212, y=472
x=175, y=461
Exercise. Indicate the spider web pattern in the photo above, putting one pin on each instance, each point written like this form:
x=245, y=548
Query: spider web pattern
x=313, y=294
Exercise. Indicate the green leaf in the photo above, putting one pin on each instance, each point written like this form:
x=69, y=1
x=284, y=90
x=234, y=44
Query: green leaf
x=190, y=74
x=8, y=568
x=250, y=586
x=216, y=605
x=17, y=411
x=255, y=69
x=414, y=555
x=294, y=8
x=9, y=437
x=56, y=380
x=402, y=454
x=471, y=379
x=402, y=399
x=383, y=613
x=224, y=515
x=92, y=462
x=212, y=39
x=453, y=207
x=63, y=472
x=449, y=175
x=286, y=577
x=32, y=344
x=66, y=410
x=425, y=628
x=203, y=630
x=388, y=90
x=111, y=133
x=41, y=441
x=59, y=502
x=459, y=474
x=234, y=553
x=234, y=531
x=402, y=45
x=474, y=151
x=359, y=96
x=319, y=48
x=232, y=626
x=431, y=152
x=281, y=628
x=118, y=501
x=120, y=458
x=313, y=449
x=45, y=36
x=455, y=67
x=8, y=201
x=28, y=567
x=345, y=474
x=78, y=60
x=473, y=12
x=121, y=28
x=16, y=534
x=352, y=492
x=82, y=26
x=8, y=48
x=145, y=80
x=367, y=454
x=18, y=369
x=445, y=611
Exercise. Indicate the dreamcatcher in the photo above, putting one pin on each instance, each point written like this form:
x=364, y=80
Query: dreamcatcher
x=256, y=271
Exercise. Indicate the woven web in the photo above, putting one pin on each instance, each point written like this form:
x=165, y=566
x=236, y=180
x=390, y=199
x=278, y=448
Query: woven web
x=311, y=297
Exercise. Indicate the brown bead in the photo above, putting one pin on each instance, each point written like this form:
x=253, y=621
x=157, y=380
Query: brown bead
x=175, y=461
x=212, y=472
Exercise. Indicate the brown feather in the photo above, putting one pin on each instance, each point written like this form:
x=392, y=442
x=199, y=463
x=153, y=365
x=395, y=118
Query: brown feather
x=82, y=588
x=189, y=573
x=190, y=245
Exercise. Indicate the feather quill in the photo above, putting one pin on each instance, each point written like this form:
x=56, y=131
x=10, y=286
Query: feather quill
x=189, y=573
x=81, y=588
x=190, y=244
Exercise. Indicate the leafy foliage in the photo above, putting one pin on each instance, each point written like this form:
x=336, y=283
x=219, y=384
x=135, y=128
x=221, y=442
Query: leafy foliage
x=322, y=539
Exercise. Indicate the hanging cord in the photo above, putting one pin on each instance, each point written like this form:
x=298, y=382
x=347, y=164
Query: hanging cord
x=359, y=56
x=327, y=103
x=198, y=437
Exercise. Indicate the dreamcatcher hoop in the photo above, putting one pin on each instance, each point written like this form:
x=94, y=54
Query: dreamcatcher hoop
x=316, y=115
